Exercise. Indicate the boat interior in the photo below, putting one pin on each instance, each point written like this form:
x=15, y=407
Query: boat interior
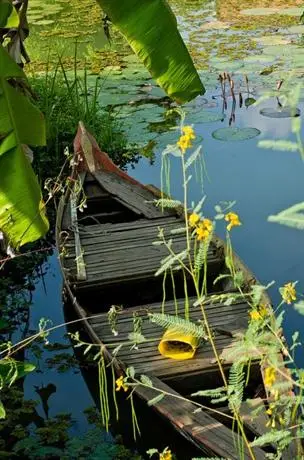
x=116, y=236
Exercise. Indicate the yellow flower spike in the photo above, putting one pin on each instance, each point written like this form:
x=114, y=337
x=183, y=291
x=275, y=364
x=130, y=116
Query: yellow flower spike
x=270, y=376
x=288, y=293
x=204, y=229
x=255, y=315
x=233, y=220
x=166, y=455
x=188, y=131
x=269, y=411
x=184, y=143
x=120, y=384
x=193, y=219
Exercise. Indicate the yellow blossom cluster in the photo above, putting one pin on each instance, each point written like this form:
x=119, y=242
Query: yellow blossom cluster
x=166, y=455
x=185, y=140
x=270, y=376
x=289, y=294
x=260, y=313
x=233, y=220
x=203, y=228
x=120, y=384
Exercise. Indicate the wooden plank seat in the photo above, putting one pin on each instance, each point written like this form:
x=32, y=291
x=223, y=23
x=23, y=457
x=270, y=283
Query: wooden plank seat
x=211, y=436
x=117, y=253
x=227, y=321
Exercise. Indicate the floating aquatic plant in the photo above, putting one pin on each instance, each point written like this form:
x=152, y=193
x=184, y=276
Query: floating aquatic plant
x=235, y=134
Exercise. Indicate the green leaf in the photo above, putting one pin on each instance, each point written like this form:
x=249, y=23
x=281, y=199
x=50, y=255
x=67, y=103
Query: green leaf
x=281, y=145
x=22, y=214
x=151, y=30
x=271, y=437
x=292, y=217
x=11, y=370
x=146, y=381
x=8, y=15
x=299, y=306
x=156, y=400
x=2, y=410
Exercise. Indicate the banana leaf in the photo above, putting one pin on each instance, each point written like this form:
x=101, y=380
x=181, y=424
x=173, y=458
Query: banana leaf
x=22, y=214
x=150, y=28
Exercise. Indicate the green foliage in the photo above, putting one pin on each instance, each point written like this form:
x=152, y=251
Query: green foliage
x=171, y=260
x=151, y=31
x=292, y=217
x=10, y=371
x=236, y=386
x=22, y=214
x=156, y=399
x=299, y=307
x=273, y=436
x=281, y=145
x=65, y=98
x=180, y=324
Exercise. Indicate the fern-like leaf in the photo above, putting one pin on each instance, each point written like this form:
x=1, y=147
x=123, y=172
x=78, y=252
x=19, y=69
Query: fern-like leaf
x=292, y=217
x=167, y=203
x=281, y=145
x=179, y=324
x=272, y=437
x=214, y=392
x=236, y=386
x=170, y=261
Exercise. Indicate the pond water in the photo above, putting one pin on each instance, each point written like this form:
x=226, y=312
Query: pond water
x=223, y=36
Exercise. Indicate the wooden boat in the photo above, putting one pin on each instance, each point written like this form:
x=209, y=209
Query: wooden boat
x=107, y=258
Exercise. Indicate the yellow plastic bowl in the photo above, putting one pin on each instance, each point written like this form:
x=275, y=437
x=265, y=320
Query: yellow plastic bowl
x=176, y=345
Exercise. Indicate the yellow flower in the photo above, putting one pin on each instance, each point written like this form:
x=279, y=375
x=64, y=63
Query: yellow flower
x=260, y=313
x=120, y=384
x=184, y=143
x=233, y=220
x=204, y=229
x=254, y=315
x=263, y=310
x=165, y=455
x=188, y=131
x=270, y=376
x=194, y=219
x=289, y=293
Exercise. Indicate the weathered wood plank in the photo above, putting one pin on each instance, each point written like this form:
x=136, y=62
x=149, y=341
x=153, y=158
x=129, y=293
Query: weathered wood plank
x=130, y=195
x=162, y=221
x=229, y=319
x=203, y=430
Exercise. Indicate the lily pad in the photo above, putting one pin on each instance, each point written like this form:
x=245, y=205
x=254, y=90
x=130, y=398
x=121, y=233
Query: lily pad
x=205, y=116
x=215, y=25
x=284, y=112
x=153, y=91
x=258, y=58
x=196, y=103
x=294, y=30
x=272, y=40
x=277, y=50
x=270, y=11
x=44, y=22
x=235, y=134
x=225, y=65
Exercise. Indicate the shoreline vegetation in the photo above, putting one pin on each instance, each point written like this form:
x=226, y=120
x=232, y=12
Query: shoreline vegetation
x=69, y=89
